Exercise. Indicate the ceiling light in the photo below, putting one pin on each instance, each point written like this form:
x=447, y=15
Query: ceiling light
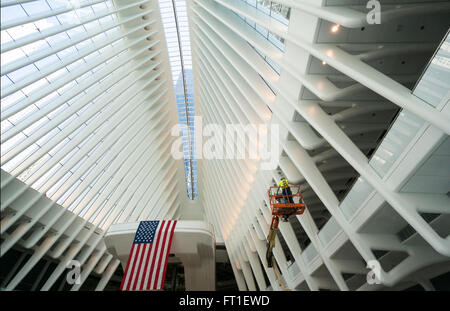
x=335, y=28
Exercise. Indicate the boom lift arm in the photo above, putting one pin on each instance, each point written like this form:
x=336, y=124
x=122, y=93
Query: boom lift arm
x=282, y=205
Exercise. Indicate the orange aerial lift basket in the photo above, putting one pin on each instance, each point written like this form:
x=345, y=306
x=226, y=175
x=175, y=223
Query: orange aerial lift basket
x=286, y=201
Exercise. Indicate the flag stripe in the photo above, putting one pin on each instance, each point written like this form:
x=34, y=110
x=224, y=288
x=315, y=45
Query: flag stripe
x=148, y=275
x=138, y=267
x=143, y=265
x=128, y=266
x=128, y=273
x=151, y=276
x=129, y=285
x=158, y=259
x=166, y=255
x=149, y=254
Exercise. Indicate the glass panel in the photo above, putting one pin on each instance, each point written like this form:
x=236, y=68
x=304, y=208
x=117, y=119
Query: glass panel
x=179, y=49
x=278, y=11
x=433, y=85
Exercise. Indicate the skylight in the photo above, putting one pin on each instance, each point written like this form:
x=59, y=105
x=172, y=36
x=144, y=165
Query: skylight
x=69, y=100
x=176, y=29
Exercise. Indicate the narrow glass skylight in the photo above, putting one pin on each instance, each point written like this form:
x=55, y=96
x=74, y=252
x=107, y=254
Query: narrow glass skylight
x=176, y=29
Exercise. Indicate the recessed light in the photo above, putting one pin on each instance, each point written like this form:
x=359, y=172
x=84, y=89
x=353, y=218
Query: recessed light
x=335, y=28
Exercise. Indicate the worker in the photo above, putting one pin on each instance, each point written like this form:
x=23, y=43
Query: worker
x=286, y=190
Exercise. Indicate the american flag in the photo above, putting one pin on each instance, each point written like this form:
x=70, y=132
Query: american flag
x=146, y=267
